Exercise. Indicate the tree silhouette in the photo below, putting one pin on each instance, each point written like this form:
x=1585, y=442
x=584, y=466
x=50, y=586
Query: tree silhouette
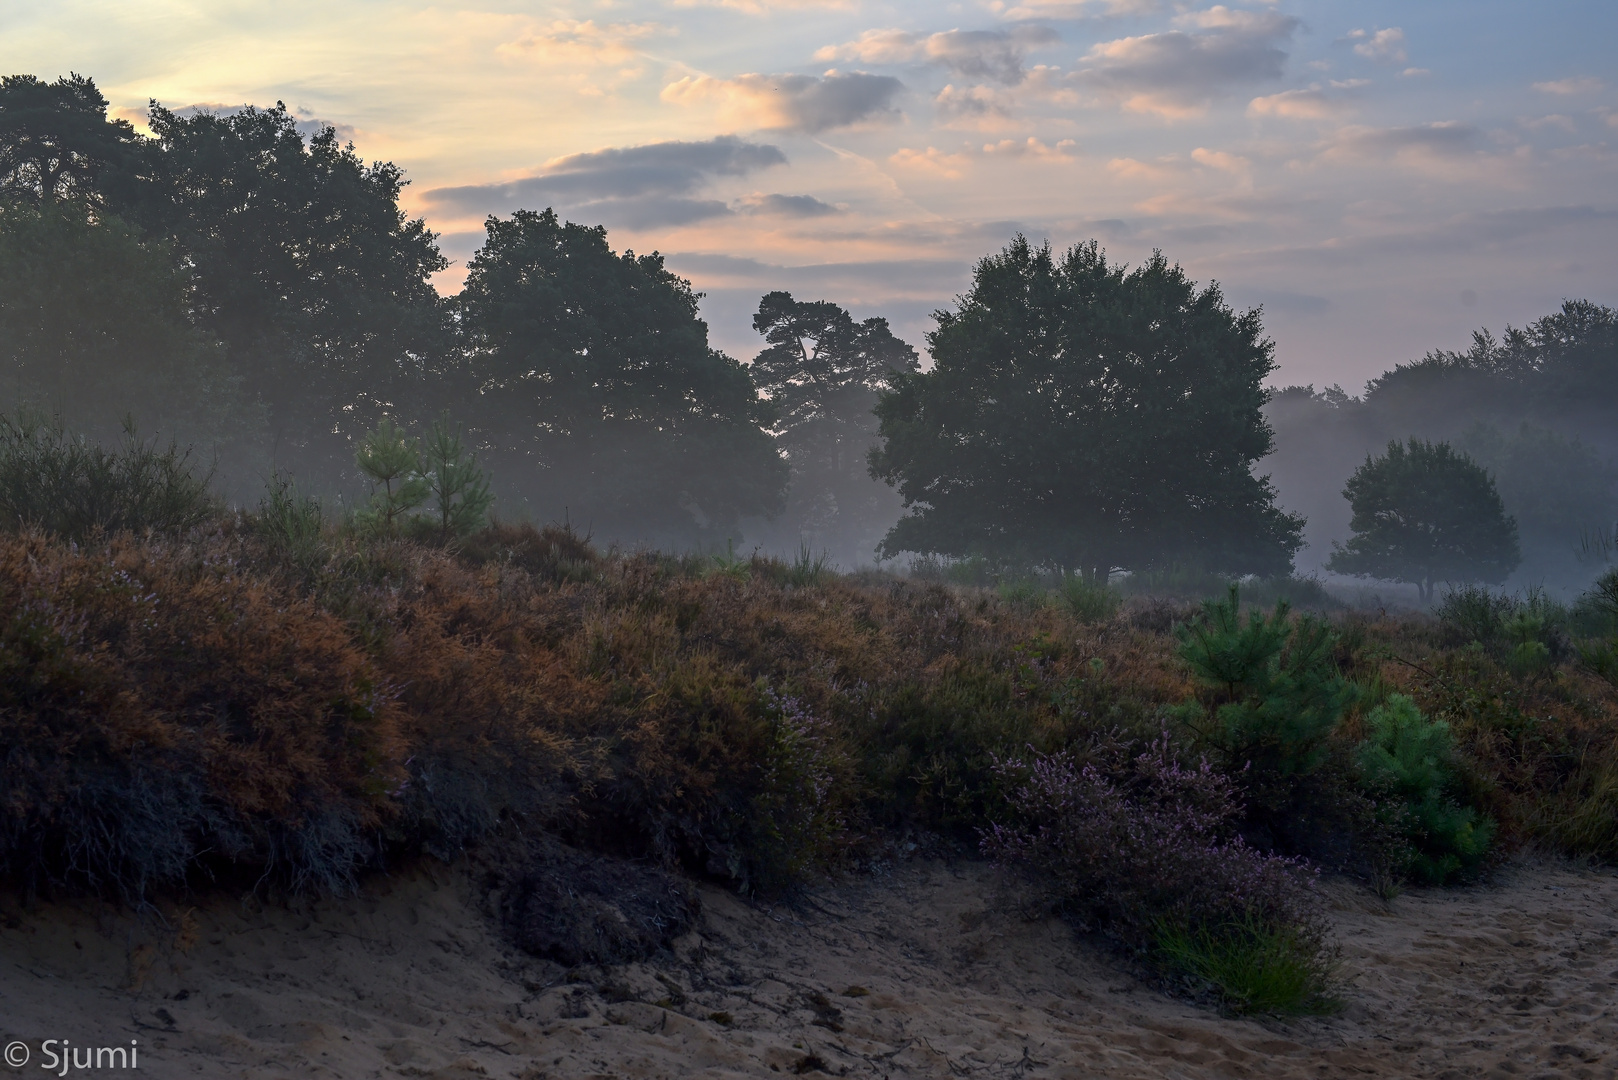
x=1083, y=416
x=56, y=143
x=599, y=391
x=1424, y=514
x=823, y=371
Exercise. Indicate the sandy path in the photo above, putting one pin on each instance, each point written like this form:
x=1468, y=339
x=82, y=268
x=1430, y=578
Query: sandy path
x=1518, y=979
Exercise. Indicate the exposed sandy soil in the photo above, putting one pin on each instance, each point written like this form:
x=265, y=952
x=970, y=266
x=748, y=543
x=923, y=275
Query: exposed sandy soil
x=1515, y=979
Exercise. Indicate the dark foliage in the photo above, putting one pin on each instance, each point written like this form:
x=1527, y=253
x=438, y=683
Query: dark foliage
x=603, y=400
x=57, y=145
x=1142, y=844
x=304, y=266
x=1082, y=416
x=74, y=489
x=1425, y=514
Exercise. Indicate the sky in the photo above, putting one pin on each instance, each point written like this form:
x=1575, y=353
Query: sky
x=1381, y=177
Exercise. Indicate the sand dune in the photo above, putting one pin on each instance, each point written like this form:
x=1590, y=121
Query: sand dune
x=916, y=973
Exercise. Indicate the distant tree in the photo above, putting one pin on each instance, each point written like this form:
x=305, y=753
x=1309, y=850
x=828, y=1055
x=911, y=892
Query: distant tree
x=823, y=371
x=1082, y=416
x=601, y=394
x=1425, y=514
x=94, y=329
x=56, y=143
x=305, y=267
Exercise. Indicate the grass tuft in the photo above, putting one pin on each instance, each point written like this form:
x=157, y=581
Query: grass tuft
x=1253, y=968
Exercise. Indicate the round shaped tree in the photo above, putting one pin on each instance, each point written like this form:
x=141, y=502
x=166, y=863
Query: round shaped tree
x=1423, y=514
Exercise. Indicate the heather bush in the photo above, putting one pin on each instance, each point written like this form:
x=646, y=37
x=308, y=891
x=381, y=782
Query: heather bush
x=1129, y=839
x=1408, y=762
x=70, y=487
x=158, y=713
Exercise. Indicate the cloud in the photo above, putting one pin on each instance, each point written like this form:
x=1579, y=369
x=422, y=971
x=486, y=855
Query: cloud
x=1221, y=160
x=1385, y=46
x=1555, y=120
x=931, y=160
x=1443, y=137
x=1566, y=87
x=803, y=103
x=635, y=186
x=572, y=41
x=975, y=54
x=1064, y=150
x=952, y=165
x=794, y=206
x=1440, y=148
x=1072, y=9
x=1177, y=72
x=1312, y=103
x=972, y=103
x=759, y=7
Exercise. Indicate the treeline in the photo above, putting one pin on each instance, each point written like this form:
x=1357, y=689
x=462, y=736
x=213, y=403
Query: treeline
x=243, y=285
x=1537, y=407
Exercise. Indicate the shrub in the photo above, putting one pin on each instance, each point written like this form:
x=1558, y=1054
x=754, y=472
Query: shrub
x=1273, y=697
x=1526, y=633
x=393, y=465
x=73, y=488
x=457, y=488
x=1136, y=842
x=157, y=711
x=1088, y=601
x=1408, y=761
x=291, y=526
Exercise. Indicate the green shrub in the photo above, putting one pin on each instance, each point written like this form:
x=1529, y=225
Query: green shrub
x=1276, y=695
x=1408, y=761
x=66, y=485
x=1595, y=613
x=1526, y=633
x=1272, y=698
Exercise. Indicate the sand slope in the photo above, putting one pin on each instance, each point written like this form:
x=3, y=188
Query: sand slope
x=915, y=973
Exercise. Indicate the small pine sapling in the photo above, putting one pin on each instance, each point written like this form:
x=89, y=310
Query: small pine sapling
x=1408, y=763
x=393, y=465
x=459, y=490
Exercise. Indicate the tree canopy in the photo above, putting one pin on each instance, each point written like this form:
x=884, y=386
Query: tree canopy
x=56, y=143
x=1423, y=514
x=304, y=266
x=1082, y=415
x=822, y=371
x=600, y=390
x=94, y=329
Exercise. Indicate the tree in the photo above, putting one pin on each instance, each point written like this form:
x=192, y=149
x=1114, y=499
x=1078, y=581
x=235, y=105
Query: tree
x=304, y=266
x=1083, y=416
x=1424, y=514
x=823, y=371
x=56, y=143
x=94, y=329
x=600, y=394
